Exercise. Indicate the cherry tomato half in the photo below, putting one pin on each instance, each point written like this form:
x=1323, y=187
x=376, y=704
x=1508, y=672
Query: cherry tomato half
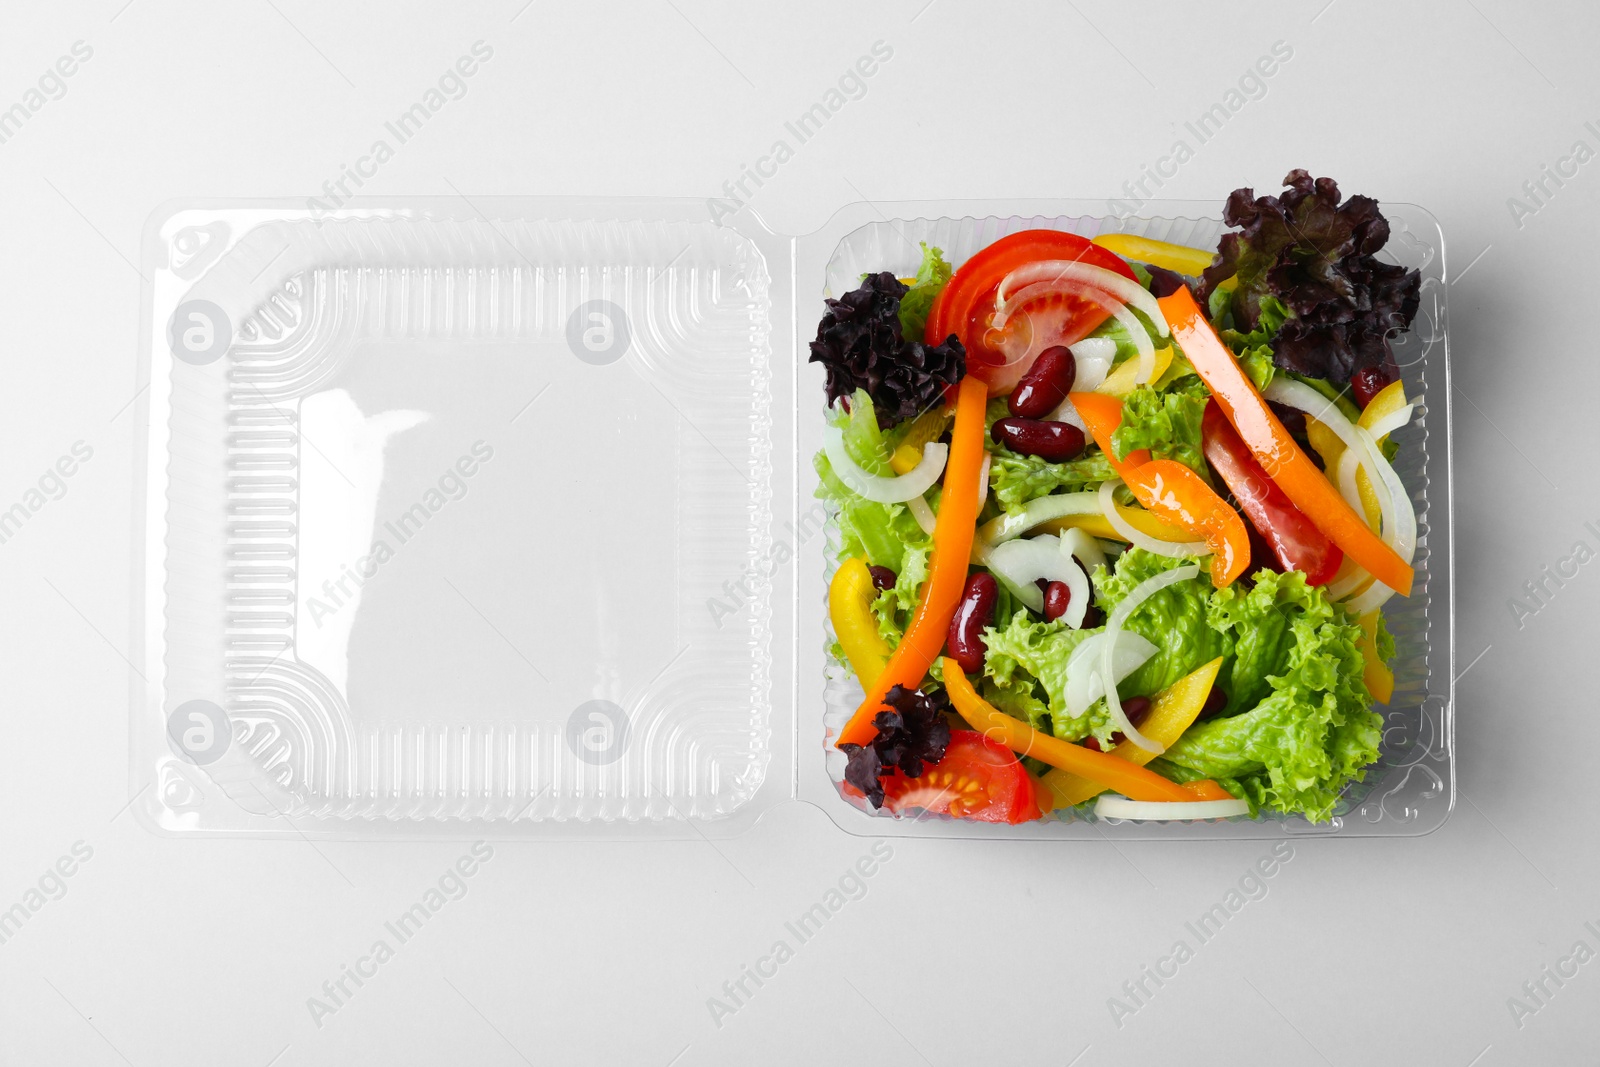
x=1293, y=538
x=977, y=779
x=967, y=304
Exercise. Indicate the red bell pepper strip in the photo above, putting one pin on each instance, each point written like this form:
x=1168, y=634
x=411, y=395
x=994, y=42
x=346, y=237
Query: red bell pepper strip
x=947, y=566
x=1275, y=450
x=1294, y=539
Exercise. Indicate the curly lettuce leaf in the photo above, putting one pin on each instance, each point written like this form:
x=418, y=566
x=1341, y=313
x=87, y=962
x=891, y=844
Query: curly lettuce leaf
x=1028, y=650
x=895, y=605
x=932, y=276
x=1175, y=619
x=1016, y=479
x=1314, y=730
x=1168, y=424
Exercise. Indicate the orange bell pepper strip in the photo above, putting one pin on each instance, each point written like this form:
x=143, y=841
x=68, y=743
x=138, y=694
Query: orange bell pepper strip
x=1206, y=789
x=1129, y=779
x=947, y=566
x=1103, y=414
x=1178, y=496
x=1275, y=450
x=1170, y=491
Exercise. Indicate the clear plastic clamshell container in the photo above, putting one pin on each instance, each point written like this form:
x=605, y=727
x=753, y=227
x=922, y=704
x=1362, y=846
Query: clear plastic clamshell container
x=495, y=517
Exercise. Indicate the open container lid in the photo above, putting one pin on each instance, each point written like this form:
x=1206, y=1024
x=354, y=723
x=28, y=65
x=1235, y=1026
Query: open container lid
x=493, y=517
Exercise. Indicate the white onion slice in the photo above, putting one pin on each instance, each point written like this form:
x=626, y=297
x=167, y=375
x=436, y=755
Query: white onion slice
x=881, y=488
x=1020, y=563
x=923, y=514
x=1035, y=512
x=1082, y=547
x=1393, y=421
x=1056, y=270
x=1354, y=577
x=983, y=481
x=1375, y=597
x=1131, y=603
x=1084, y=684
x=1139, y=539
x=1399, y=518
x=1093, y=357
x=1392, y=496
x=1111, y=806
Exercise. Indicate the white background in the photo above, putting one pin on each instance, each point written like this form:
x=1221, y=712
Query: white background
x=181, y=952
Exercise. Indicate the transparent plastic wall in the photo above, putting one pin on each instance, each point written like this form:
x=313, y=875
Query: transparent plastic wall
x=496, y=517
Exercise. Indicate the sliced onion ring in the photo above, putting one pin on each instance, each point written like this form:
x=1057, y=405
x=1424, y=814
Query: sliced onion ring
x=1039, y=510
x=923, y=514
x=1019, y=563
x=1376, y=596
x=1055, y=270
x=881, y=488
x=1139, y=539
x=1399, y=518
x=1112, y=806
x=1131, y=603
x=1084, y=686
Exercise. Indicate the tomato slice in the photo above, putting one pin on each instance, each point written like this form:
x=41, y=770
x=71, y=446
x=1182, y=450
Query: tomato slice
x=967, y=304
x=978, y=779
x=1293, y=538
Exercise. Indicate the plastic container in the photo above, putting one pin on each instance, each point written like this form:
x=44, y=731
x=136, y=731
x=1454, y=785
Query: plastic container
x=494, y=517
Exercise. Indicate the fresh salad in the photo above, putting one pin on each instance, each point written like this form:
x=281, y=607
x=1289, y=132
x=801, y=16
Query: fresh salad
x=1116, y=520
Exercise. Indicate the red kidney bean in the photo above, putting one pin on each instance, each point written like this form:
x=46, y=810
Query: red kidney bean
x=1046, y=384
x=1216, y=700
x=1053, y=442
x=882, y=578
x=975, y=611
x=1368, y=382
x=1136, y=709
x=1057, y=596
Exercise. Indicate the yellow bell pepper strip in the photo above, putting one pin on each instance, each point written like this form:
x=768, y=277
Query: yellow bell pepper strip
x=1121, y=381
x=1274, y=449
x=1103, y=414
x=1172, y=711
x=947, y=566
x=1097, y=525
x=1377, y=675
x=926, y=429
x=1181, y=258
x=850, y=597
x=1063, y=511
x=1130, y=779
x=1178, y=496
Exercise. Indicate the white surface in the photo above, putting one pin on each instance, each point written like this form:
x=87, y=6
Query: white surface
x=185, y=952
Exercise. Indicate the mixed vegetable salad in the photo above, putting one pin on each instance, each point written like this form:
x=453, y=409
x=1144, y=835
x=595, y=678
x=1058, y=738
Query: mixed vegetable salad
x=1116, y=519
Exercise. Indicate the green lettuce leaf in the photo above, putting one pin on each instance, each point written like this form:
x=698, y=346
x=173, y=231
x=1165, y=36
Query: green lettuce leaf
x=1168, y=424
x=886, y=534
x=1314, y=731
x=1016, y=479
x=931, y=279
x=879, y=532
x=1175, y=620
x=895, y=605
x=1028, y=649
